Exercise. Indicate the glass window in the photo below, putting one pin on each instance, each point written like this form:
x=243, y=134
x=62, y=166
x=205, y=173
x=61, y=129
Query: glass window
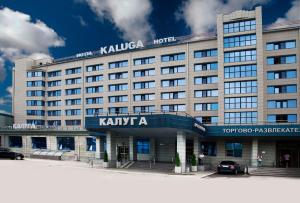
x=91, y=144
x=173, y=57
x=143, y=146
x=15, y=141
x=65, y=143
x=239, y=26
x=39, y=142
x=208, y=148
x=234, y=149
x=240, y=71
x=240, y=117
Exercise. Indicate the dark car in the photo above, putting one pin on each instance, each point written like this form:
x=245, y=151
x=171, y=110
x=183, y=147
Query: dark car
x=8, y=154
x=229, y=167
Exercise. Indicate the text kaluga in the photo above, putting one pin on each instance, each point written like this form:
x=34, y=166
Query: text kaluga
x=123, y=121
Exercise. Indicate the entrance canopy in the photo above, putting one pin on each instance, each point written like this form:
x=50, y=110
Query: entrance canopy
x=148, y=124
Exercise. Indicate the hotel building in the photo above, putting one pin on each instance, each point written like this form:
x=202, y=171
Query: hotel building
x=229, y=95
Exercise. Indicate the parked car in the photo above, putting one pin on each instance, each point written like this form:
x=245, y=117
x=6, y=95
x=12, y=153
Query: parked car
x=8, y=154
x=229, y=167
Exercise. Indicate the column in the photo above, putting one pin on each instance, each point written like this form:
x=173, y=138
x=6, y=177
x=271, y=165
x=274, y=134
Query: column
x=152, y=147
x=98, y=147
x=181, y=149
x=196, y=148
x=254, y=152
x=131, y=148
x=111, y=149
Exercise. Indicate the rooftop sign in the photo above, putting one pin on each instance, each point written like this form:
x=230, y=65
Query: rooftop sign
x=125, y=47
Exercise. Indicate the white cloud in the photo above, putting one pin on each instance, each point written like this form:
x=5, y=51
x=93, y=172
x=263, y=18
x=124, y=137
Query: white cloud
x=129, y=16
x=19, y=37
x=200, y=15
x=292, y=14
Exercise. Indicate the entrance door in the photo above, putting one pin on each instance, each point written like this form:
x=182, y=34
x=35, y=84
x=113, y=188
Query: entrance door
x=123, y=153
x=288, y=148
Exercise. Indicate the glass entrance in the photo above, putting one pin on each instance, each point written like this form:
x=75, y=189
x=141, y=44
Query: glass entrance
x=288, y=154
x=123, y=153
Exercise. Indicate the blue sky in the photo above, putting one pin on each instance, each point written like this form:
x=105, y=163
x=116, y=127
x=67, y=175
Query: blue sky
x=62, y=28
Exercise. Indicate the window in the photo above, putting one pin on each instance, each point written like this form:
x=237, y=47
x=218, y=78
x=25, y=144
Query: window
x=144, y=97
x=172, y=95
x=73, y=81
x=118, y=110
x=208, y=148
x=119, y=98
x=55, y=93
x=241, y=87
x=35, y=93
x=144, y=109
x=94, y=78
x=172, y=70
x=54, y=73
x=280, y=104
x=65, y=143
x=208, y=119
x=15, y=141
x=285, y=74
x=91, y=144
x=279, y=89
x=281, y=45
x=39, y=142
x=291, y=59
x=54, y=83
x=173, y=82
x=205, y=93
x=118, y=87
x=73, y=122
x=35, y=112
x=94, y=100
x=282, y=118
x=142, y=61
x=71, y=102
x=35, y=122
x=143, y=73
x=92, y=68
x=205, y=80
x=173, y=57
x=118, y=64
x=240, y=71
x=205, y=53
x=240, y=102
x=94, y=89
x=73, y=91
x=117, y=76
x=240, y=117
x=240, y=41
x=173, y=108
x=35, y=103
x=73, y=71
x=72, y=112
x=143, y=146
x=240, y=26
x=54, y=113
x=205, y=66
x=54, y=103
x=234, y=149
x=33, y=74
x=54, y=123
x=206, y=107
x=37, y=83
x=240, y=56
x=93, y=111
x=144, y=85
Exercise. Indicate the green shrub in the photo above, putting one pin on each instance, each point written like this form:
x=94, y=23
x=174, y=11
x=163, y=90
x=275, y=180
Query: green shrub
x=105, y=156
x=177, y=160
x=194, y=161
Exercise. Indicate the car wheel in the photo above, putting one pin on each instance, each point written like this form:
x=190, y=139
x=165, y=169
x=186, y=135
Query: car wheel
x=18, y=158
